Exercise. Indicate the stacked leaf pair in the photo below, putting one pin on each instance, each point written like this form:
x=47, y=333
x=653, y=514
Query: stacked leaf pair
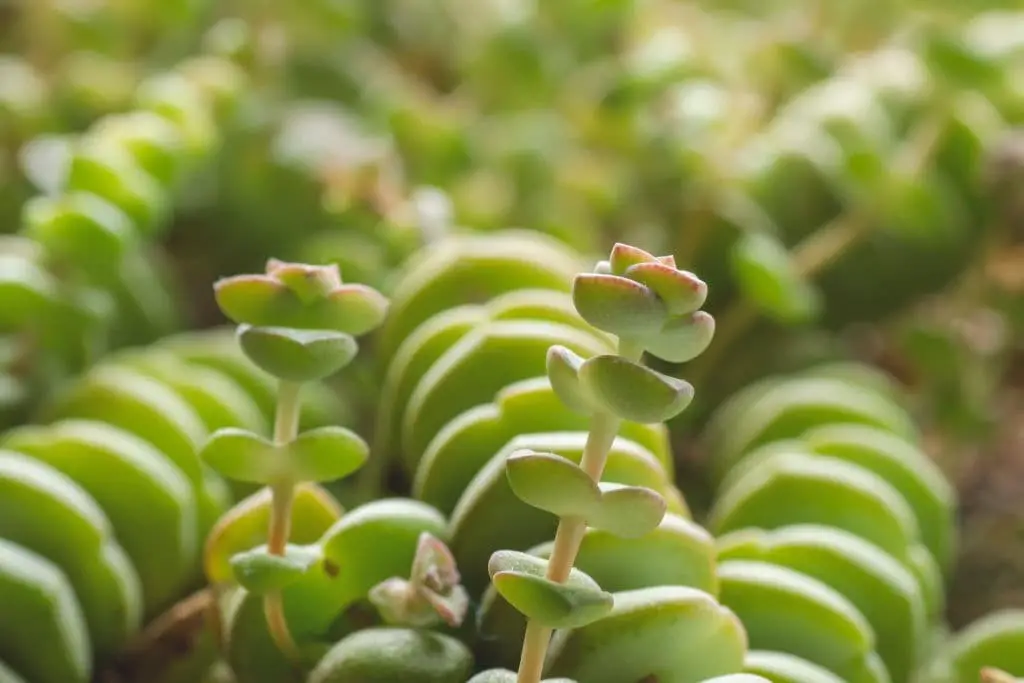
x=836, y=532
x=105, y=506
x=483, y=344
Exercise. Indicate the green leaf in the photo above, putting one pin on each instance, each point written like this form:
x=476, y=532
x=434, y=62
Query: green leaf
x=678, y=553
x=67, y=527
x=618, y=305
x=110, y=172
x=463, y=269
x=260, y=572
x=787, y=407
x=786, y=668
x=738, y=678
x=794, y=488
x=392, y=527
x=632, y=391
x=904, y=465
x=552, y=483
x=677, y=635
x=267, y=301
x=124, y=475
x=884, y=591
x=244, y=526
x=766, y=276
x=81, y=229
x=994, y=640
x=627, y=511
x=297, y=355
x=682, y=291
x=530, y=406
x=489, y=516
x=327, y=453
x=521, y=580
x=45, y=635
x=428, y=343
x=624, y=256
x=156, y=145
x=180, y=101
x=683, y=338
x=787, y=611
x=369, y=656
x=250, y=299
x=26, y=289
x=244, y=456
x=563, y=368
x=480, y=364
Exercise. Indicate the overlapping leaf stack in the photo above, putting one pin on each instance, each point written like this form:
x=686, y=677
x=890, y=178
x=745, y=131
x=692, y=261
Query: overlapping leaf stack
x=805, y=185
x=82, y=275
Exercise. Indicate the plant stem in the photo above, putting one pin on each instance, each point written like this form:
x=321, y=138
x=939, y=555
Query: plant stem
x=604, y=427
x=282, y=493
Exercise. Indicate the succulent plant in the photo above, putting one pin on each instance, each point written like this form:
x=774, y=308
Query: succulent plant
x=543, y=536
x=487, y=486
x=80, y=276
x=106, y=504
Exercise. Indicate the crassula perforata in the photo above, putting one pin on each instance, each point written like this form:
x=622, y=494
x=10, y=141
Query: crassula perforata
x=298, y=323
x=533, y=435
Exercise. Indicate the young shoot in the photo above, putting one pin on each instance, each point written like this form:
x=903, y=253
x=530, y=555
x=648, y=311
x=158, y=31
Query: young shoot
x=297, y=322
x=649, y=305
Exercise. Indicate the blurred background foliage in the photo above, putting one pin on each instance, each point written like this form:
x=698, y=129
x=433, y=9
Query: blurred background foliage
x=847, y=177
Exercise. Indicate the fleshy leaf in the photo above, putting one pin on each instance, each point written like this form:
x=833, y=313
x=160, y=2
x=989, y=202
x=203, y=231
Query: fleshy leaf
x=260, y=572
x=627, y=511
x=307, y=282
x=326, y=454
x=297, y=355
x=677, y=634
x=243, y=456
x=110, y=172
x=625, y=256
x=81, y=228
x=552, y=483
x=767, y=277
x=249, y=299
x=357, y=308
x=372, y=656
x=632, y=391
x=682, y=291
x=562, y=368
x=306, y=298
x=432, y=593
x=788, y=611
x=786, y=668
x=245, y=526
x=683, y=338
x=993, y=640
x=154, y=142
x=618, y=305
x=27, y=290
x=521, y=580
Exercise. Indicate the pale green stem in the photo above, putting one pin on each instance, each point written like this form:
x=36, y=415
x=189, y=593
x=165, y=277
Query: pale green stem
x=603, y=429
x=286, y=428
